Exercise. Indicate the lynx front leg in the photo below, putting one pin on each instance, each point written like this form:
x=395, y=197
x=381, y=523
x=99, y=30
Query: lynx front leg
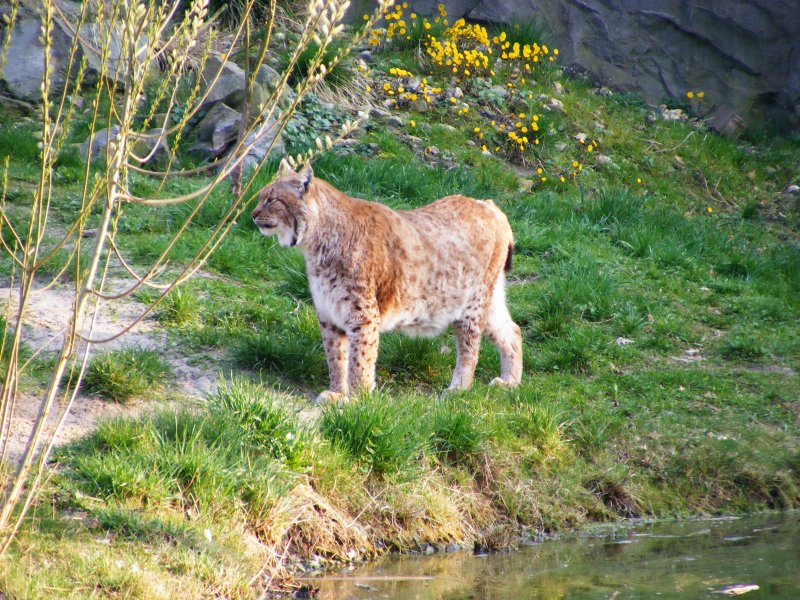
x=364, y=341
x=334, y=341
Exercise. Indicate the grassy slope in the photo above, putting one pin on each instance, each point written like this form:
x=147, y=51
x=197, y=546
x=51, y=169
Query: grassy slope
x=697, y=413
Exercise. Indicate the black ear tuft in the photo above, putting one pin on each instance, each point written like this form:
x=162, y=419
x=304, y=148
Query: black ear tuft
x=306, y=175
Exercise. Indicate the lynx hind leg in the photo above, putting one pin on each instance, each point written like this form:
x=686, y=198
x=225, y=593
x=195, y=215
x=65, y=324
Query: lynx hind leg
x=505, y=335
x=468, y=345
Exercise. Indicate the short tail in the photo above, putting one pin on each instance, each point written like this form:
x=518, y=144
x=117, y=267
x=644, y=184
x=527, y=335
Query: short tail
x=507, y=268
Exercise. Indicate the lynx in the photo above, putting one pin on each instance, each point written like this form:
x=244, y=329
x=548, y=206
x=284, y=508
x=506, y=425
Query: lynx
x=372, y=269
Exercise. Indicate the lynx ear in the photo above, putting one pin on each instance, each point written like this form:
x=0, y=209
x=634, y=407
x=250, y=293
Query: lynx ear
x=305, y=176
x=284, y=169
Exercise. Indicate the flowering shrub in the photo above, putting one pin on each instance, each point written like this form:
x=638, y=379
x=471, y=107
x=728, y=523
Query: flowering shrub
x=485, y=80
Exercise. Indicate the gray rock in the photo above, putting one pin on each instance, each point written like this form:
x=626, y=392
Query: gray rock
x=24, y=68
x=224, y=81
x=215, y=132
x=499, y=90
x=267, y=77
x=154, y=147
x=793, y=189
x=376, y=112
x=452, y=548
x=93, y=36
x=420, y=105
x=98, y=143
x=395, y=121
x=265, y=140
x=604, y=160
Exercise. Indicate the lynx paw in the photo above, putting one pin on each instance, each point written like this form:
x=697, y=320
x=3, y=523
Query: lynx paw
x=500, y=382
x=329, y=397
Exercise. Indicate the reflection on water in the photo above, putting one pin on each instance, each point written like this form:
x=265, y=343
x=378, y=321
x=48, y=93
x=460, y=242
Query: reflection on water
x=698, y=559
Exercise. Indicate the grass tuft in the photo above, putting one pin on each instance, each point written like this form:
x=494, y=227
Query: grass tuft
x=380, y=432
x=123, y=374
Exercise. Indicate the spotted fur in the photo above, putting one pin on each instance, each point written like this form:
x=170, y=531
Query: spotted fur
x=372, y=269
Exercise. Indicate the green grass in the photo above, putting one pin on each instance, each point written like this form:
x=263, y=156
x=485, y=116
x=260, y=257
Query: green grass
x=121, y=375
x=660, y=361
x=385, y=437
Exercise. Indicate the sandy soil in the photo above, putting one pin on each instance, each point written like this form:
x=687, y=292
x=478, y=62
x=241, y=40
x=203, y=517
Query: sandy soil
x=43, y=326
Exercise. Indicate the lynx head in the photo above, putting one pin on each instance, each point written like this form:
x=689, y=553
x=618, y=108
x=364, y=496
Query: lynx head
x=283, y=208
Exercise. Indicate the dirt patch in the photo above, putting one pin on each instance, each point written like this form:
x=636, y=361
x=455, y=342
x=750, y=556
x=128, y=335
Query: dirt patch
x=47, y=314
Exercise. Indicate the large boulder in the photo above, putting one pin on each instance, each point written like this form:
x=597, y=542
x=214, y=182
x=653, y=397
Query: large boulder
x=24, y=69
x=265, y=140
x=214, y=134
x=745, y=56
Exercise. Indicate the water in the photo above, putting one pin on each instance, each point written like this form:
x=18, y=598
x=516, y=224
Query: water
x=697, y=559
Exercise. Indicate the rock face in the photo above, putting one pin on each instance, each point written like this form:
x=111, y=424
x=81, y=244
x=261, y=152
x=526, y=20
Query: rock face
x=743, y=54
x=24, y=69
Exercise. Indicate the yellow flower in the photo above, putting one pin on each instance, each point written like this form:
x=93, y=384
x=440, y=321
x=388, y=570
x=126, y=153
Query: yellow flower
x=497, y=148
x=690, y=95
x=427, y=25
x=413, y=15
x=401, y=89
x=574, y=164
x=539, y=171
x=639, y=180
x=562, y=179
x=709, y=210
x=484, y=149
x=517, y=124
x=413, y=123
x=476, y=130
x=590, y=148
x=452, y=99
x=544, y=179
x=700, y=95
x=555, y=51
x=366, y=17
x=369, y=89
x=405, y=4
x=521, y=115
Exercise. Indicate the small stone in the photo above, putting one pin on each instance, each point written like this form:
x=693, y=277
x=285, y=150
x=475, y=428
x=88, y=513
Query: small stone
x=603, y=91
x=525, y=185
x=604, y=160
x=395, y=121
x=499, y=90
x=621, y=341
x=432, y=150
x=414, y=84
x=429, y=549
x=420, y=105
x=458, y=92
x=471, y=143
x=452, y=548
x=792, y=189
x=376, y=112
x=559, y=89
